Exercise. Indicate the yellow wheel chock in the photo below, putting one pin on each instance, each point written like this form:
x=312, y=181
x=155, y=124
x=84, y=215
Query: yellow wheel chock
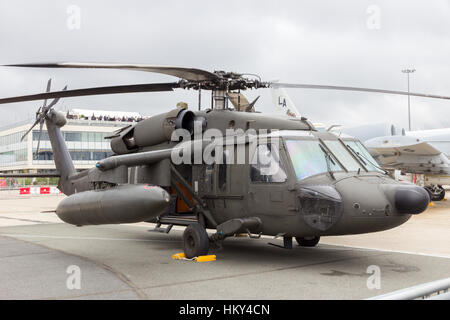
x=182, y=256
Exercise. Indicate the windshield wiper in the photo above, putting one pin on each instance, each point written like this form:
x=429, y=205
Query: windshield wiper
x=328, y=159
x=361, y=158
x=357, y=154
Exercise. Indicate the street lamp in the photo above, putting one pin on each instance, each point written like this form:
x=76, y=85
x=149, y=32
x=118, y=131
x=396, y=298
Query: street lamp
x=408, y=71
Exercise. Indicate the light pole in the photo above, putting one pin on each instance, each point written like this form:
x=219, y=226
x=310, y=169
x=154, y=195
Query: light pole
x=408, y=71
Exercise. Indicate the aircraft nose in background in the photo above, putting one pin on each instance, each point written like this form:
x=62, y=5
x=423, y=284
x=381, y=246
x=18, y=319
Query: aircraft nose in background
x=411, y=199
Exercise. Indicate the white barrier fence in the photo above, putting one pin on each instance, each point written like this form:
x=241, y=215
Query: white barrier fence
x=436, y=290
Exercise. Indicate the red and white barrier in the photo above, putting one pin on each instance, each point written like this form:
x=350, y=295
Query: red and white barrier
x=39, y=190
x=24, y=190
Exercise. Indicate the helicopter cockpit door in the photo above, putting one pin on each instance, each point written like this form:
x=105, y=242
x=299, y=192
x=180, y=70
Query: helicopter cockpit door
x=268, y=192
x=204, y=182
x=217, y=185
x=222, y=185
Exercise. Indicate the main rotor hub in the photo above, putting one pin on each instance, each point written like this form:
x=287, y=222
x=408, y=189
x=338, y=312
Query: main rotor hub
x=225, y=81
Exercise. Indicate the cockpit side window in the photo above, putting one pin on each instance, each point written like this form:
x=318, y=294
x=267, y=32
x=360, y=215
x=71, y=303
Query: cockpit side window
x=267, y=166
x=309, y=158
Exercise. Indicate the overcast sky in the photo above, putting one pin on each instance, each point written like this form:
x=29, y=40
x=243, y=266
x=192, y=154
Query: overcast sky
x=350, y=43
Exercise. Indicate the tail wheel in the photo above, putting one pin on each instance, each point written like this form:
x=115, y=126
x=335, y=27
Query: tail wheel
x=307, y=241
x=195, y=241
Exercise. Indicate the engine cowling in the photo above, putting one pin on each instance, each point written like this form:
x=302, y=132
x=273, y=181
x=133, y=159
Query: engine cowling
x=154, y=130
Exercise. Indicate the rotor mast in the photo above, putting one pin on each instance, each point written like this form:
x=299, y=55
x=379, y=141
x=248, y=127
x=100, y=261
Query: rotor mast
x=221, y=85
x=220, y=99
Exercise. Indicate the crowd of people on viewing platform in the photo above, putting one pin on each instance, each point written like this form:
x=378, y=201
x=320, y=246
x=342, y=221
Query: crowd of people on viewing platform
x=93, y=117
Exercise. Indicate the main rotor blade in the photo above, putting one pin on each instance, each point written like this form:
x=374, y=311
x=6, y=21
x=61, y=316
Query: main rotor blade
x=30, y=175
x=147, y=87
x=190, y=74
x=315, y=86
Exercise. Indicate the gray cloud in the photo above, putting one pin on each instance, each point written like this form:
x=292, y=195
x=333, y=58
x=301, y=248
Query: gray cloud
x=321, y=42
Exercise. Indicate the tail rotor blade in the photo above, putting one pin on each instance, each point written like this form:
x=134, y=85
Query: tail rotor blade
x=55, y=101
x=39, y=138
x=38, y=118
x=49, y=84
x=41, y=113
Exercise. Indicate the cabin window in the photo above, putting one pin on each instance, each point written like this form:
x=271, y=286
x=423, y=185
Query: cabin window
x=266, y=165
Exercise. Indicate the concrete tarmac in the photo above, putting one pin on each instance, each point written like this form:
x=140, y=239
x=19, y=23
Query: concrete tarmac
x=128, y=262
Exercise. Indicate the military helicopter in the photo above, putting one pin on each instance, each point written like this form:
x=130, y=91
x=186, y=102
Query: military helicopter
x=262, y=175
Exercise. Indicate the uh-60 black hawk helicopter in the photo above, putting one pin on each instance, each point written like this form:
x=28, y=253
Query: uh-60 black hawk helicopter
x=322, y=184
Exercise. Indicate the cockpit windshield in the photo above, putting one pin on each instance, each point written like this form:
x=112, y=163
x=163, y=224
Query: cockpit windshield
x=343, y=155
x=369, y=162
x=310, y=157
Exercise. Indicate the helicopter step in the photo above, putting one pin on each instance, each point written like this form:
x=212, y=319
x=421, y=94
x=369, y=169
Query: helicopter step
x=178, y=219
x=161, y=230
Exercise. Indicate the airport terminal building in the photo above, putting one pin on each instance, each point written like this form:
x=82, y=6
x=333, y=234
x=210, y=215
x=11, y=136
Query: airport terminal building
x=84, y=134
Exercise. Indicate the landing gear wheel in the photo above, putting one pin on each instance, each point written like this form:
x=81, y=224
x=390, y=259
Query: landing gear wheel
x=441, y=196
x=437, y=193
x=307, y=241
x=195, y=241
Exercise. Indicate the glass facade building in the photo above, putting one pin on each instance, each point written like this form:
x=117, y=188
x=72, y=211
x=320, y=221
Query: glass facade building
x=12, y=149
x=85, y=140
x=84, y=147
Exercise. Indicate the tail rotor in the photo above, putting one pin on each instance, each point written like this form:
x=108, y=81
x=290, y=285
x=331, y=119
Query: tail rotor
x=41, y=114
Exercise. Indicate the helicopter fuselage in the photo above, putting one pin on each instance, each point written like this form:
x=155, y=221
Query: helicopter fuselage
x=274, y=176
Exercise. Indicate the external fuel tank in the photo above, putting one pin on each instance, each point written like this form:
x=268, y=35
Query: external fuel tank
x=122, y=204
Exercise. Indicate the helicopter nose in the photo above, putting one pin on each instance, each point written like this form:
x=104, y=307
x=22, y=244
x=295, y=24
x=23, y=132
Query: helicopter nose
x=411, y=199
